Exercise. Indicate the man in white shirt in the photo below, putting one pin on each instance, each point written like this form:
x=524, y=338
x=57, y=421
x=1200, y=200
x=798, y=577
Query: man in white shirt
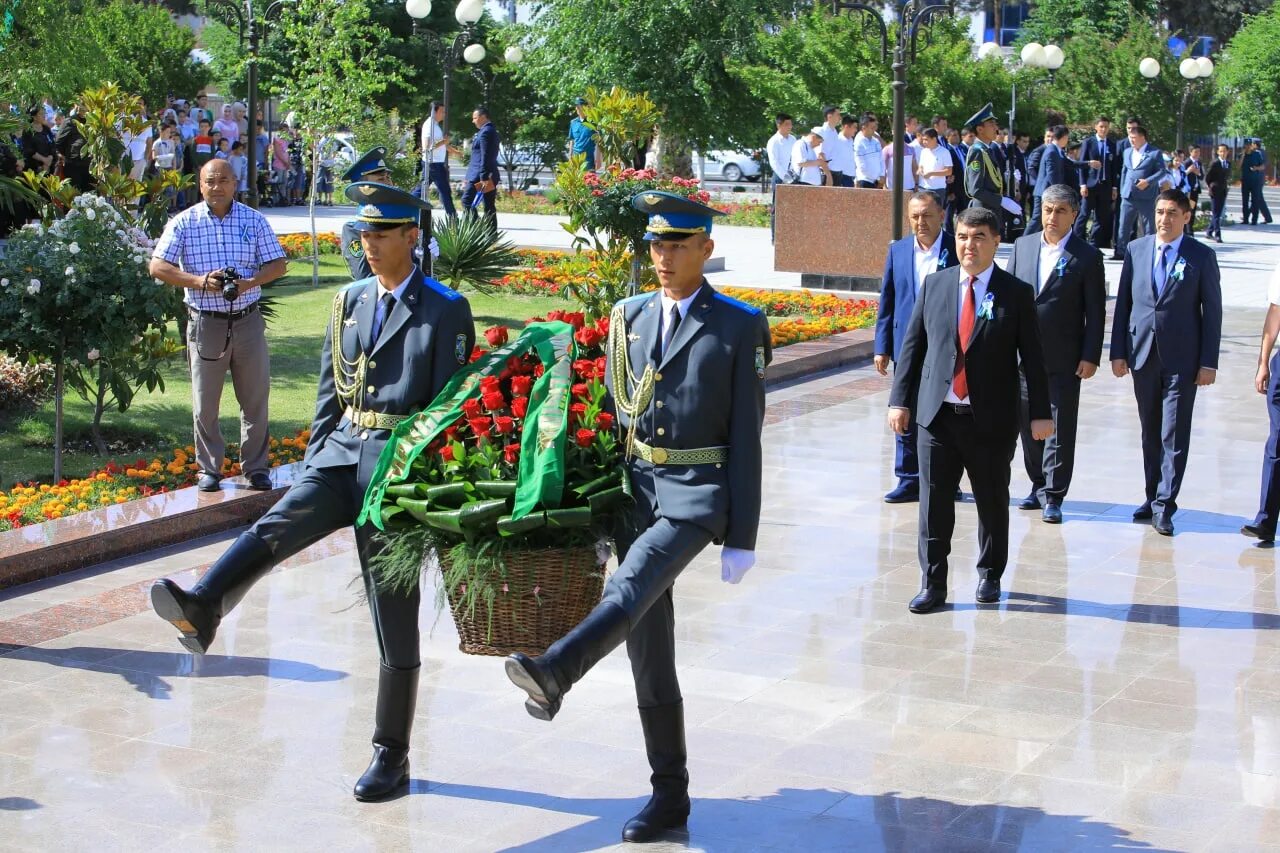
x=935, y=165
x=839, y=153
x=779, y=151
x=808, y=162
x=867, y=159
x=829, y=130
x=139, y=146
x=435, y=157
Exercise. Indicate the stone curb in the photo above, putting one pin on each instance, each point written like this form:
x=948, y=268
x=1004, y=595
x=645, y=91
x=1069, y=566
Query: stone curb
x=98, y=536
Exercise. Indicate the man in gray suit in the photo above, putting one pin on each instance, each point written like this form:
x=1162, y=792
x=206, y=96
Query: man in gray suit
x=394, y=340
x=1141, y=167
x=1167, y=328
x=1067, y=276
x=686, y=376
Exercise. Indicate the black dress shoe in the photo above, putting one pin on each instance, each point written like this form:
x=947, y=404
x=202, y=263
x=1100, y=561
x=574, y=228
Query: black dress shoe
x=929, y=599
x=1162, y=524
x=988, y=592
x=903, y=493
x=659, y=816
x=388, y=773
x=1259, y=532
x=1143, y=513
x=208, y=482
x=189, y=614
x=1031, y=501
x=1052, y=514
x=534, y=679
x=260, y=481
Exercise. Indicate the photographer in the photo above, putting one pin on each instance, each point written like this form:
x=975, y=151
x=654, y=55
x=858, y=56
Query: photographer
x=222, y=252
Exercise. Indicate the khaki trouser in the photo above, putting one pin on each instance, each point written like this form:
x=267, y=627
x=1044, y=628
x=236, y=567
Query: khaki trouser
x=247, y=358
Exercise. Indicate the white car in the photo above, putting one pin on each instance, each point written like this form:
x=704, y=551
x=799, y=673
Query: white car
x=732, y=166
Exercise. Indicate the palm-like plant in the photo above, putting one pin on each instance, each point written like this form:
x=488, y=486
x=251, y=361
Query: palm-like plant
x=470, y=254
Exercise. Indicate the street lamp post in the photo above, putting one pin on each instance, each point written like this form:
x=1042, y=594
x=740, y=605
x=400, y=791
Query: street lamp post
x=248, y=26
x=485, y=76
x=1191, y=70
x=913, y=15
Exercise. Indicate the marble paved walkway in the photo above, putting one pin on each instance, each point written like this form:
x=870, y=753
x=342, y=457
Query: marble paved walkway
x=1126, y=694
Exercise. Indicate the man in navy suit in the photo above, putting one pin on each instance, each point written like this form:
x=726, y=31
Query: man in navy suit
x=482, y=170
x=1099, y=189
x=1055, y=168
x=1167, y=328
x=911, y=260
x=959, y=378
x=1067, y=276
x=1141, y=168
x=1267, y=381
x=1121, y=148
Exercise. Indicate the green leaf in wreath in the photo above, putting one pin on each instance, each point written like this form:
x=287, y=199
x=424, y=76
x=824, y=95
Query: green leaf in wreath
x=601, y=502
x=496, y=488
x=481, y=513
x=508, y=526
x=450, y=494
x=578, y=516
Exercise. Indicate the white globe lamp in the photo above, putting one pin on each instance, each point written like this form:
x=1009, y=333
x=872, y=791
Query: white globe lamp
x=1033, y=54
x=1149, y=68
x=1189, y=69
x=469, y=11
x=474, y=54
x=417, y=9
x=1206, y=66
x=988, y=49
x=513, y=55
x=1053, y=57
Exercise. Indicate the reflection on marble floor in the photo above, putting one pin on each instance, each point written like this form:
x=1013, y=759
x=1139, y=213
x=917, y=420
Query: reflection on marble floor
x=1125, y=695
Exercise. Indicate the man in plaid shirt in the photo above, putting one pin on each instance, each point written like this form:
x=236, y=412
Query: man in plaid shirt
x=197, y=245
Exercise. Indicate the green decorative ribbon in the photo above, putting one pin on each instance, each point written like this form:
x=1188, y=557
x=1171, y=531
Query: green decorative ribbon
x=540, y=481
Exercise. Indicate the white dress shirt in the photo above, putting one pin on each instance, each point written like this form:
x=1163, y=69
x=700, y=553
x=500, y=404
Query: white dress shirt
x=1273, y=286
x=779, y=149
x=828, y=134
x=802, y=152
x=1050, y=253
x=839, y=153
x=869, y=165
x=931, y=160
x=979, y=294
x=432, y=133
x=926, y=260
x=1170, y=258
x=1135, y=155
x=667, y=302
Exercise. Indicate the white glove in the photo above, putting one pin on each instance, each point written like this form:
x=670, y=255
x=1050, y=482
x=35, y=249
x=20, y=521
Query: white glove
x=434, y=248
x=735, y=563
x=1017, y=173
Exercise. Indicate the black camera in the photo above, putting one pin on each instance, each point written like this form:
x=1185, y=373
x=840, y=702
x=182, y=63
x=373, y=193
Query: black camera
x=229, y=278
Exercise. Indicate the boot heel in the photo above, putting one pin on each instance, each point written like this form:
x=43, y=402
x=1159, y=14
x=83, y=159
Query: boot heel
x=165, y=602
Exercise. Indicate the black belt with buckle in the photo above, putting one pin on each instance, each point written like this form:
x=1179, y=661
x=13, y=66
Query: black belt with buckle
x=229, y=315
x=960, y=409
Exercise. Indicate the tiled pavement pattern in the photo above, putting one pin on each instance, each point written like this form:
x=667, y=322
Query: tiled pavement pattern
x=1125, y=695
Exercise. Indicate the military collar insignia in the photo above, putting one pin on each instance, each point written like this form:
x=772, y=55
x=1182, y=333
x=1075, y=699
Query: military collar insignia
x=349, y=322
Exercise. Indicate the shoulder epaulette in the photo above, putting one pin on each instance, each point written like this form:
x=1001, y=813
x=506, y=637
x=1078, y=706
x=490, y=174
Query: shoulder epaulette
x=742, y=306
x=359, y=283
x=636, y=298
x=442, y=289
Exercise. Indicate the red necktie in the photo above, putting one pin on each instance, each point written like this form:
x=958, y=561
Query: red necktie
x=968, y=317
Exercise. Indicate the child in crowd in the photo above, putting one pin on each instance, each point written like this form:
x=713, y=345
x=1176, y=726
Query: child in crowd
x=240, y=168
x=224, y=149
x=324, y=180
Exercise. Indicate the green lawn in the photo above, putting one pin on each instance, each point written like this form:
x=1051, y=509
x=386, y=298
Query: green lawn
x=158, y=422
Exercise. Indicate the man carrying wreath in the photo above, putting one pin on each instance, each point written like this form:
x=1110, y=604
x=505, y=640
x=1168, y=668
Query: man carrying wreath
x=394, y=341
x=686, y=370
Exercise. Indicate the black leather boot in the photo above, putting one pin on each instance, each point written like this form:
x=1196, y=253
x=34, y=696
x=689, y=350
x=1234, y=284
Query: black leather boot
x=198, y=613
x=549, y=676
x=388, y=772
x=668, y=808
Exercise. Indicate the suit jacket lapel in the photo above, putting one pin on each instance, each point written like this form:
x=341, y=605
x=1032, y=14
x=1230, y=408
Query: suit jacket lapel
x=400, y=314
x=691, y=324
x=367, y=304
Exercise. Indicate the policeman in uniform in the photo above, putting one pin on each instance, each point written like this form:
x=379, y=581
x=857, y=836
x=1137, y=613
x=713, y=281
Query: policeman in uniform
x=372, y=166
x=393, y=342
x=686, y=370
x=982, y=179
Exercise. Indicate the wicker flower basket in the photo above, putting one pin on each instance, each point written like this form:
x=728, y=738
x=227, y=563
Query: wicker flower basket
x=561, y=586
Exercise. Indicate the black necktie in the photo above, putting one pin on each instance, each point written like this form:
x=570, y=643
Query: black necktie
x=673, y=323
x=385, y=304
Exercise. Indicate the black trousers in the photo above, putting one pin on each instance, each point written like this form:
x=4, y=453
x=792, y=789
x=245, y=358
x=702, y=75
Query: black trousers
x=1050, y=463
x=438, y=176
x=1098, y=206
x=323, y=501
x=1253, y=204
x=951, y=446
x=488, y=200
x=1269, y=501
x=1165, y=403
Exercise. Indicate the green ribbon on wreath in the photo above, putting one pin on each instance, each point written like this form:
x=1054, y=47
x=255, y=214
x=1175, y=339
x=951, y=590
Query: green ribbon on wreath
x=540, y=481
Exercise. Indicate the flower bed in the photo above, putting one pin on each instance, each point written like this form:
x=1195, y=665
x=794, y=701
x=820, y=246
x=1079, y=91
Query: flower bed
x=118, y=482
x=299, y=245
x=749, y=214
x=523, y=202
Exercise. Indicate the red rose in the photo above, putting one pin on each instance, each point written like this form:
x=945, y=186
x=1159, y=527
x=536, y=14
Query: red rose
x=552, y=316
x=521, y=386
x=494, y=401
x=504, y=425
x=479, y=426
x=538, y=370
x=496, y=335
x=520, y=406
x=577, y=319
x=585, y=368
x=604, y=421
x=471, y=408
x=588, y=336
x=489, y=384
x=584, y=437
x=511, y=453
x=450, y=433
x=446, y=453
x=601, y=365
x=577, y=410
x=581, y=389
x=476, y=354
x=603, y=325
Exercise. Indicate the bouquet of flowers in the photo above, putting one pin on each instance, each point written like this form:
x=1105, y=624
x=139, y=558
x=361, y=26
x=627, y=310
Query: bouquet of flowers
x=512, y=477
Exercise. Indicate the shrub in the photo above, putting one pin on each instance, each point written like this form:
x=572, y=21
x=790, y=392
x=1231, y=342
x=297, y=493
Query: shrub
x=24, y=385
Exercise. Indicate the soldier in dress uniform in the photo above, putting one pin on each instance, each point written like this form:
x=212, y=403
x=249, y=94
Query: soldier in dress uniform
x=371, y=167
x=982, y=179
x=686, y=370
x=393, y=342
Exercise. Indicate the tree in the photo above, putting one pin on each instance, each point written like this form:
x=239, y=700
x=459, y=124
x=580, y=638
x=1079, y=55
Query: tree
x=1250, y=77
x=1220, y=19
x=1057, y=21
x=339, y=66
x=59, y=48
